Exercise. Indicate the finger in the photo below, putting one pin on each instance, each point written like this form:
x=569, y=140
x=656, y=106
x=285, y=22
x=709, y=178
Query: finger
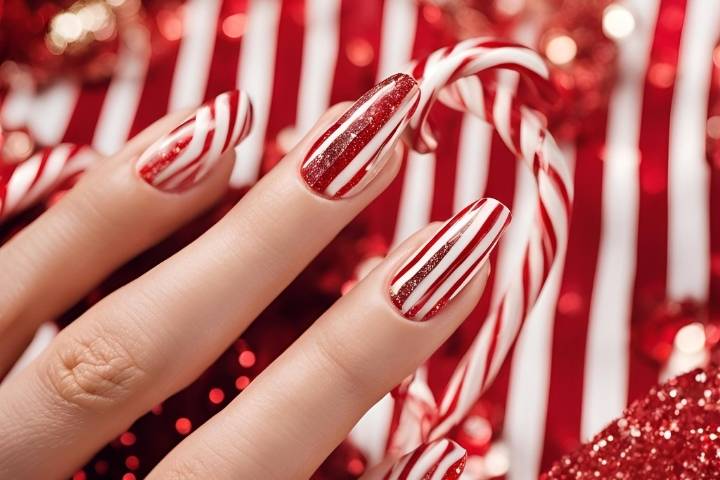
x=118, y=209
x=302, y=406
x=117, y=361
x=438, y=460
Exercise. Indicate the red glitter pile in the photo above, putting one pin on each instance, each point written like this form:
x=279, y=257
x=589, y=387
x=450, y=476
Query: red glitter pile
x=673, y=432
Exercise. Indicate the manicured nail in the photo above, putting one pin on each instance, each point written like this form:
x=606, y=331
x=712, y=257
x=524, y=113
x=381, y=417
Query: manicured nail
x=22, y=185
x=183, y=157
x=439, y=460
x=440, y=269
x=353, y=150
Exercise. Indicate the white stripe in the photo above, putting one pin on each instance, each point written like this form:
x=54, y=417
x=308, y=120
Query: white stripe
x=195, y=54
x=200, y=128
x=320, y=50
x=688, y=170
x=121, y=100
x=17, y=105
x=530, y=374
x=241, y=117
x=398, y=34
x=606, y=360
x=51, y=112
x=473, y=161
x=20, y=181
x=54, y=166
x=222, y=124
x=256, y=75
x=416, y=197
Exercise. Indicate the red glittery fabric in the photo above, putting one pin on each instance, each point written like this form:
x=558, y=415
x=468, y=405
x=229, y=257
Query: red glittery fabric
x=673, y=432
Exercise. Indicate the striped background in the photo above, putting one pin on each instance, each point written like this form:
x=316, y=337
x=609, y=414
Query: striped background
x=645, y=226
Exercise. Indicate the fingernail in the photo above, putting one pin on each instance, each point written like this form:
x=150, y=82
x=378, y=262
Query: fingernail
x=439, y=460
x=440, y=269
x=24, y=184
x=186, y=155
x=353, y=150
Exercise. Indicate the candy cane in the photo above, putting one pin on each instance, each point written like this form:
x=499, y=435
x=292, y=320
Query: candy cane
x=483, y=77
x=24, y=184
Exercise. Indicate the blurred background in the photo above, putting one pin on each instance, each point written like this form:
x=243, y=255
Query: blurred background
x=637, y=114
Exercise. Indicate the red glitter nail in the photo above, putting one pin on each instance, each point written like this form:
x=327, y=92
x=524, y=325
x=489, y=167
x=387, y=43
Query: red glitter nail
x=183, y=157
x=350, y=153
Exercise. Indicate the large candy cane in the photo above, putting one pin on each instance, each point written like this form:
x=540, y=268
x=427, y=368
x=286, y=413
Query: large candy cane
x=24, y=184
x=495, y=81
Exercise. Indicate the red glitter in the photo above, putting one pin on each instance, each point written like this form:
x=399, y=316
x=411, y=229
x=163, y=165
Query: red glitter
x=128, y=476
x=216, y=396
x=79, y=475
x=183, y=426
x=674, y=432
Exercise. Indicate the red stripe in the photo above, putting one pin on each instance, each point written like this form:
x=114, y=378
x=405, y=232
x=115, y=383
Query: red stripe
x=222, y=75
x=85, y=116
x=651, y=275
x=288, y=65
x=357, y=60
x=155, y=95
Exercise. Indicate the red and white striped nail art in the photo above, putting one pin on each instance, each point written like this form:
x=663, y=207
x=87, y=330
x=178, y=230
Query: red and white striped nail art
x=352, y=151
x=24, y=184
x=439, y=460
x=440, y=269
x=182, y=158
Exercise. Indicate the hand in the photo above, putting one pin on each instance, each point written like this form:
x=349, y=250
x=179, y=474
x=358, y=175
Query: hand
x=152, y=337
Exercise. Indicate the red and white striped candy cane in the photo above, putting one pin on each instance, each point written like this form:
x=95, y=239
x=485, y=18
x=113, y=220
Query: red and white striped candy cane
x=24, y=184
x=495, y=81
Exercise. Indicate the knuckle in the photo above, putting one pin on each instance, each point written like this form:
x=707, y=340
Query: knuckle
x=92, y=374
x=344, y=366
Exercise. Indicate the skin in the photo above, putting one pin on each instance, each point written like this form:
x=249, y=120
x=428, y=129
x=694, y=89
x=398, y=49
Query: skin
x=121, y=357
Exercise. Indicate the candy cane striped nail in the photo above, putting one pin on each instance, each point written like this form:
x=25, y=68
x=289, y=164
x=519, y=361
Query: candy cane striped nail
x=352, y=151
x=183, y=157
x=439, y=460
x=440, y=269
x=24, y=184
